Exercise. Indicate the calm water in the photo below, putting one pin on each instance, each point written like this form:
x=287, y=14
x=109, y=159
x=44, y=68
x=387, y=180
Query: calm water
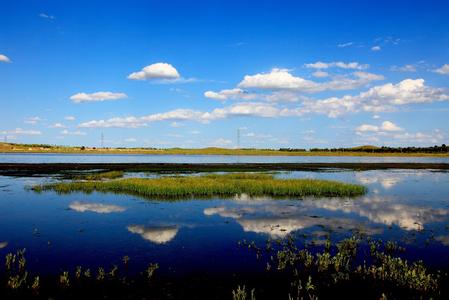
x=124, y=158
x=200, y=236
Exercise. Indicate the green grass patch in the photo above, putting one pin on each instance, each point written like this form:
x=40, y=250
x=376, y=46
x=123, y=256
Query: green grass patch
x=226, y=185
x=101, y=175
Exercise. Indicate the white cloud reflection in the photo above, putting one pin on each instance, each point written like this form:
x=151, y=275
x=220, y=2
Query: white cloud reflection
x=95, y=207
x=3, y=245
x=158, y=235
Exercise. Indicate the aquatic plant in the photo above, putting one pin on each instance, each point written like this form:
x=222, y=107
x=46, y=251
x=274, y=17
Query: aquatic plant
x=152, y=267
x=241, y=294
x=226, y=185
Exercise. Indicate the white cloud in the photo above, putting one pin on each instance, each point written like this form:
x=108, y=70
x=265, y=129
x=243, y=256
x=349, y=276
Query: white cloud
x=99, y=208
x=386, y=126
x=20, y=131
x=155, y=71
x=227, y=94
x=176, y=124
x=238, y=109
x=337, y=64
x=58, y=125
x=381, y=98
x=98, y=96
x=32, y=120
x=3, y=245
x=4, y=58
x=46, y=16
x=130, y=140
x=405, y=68
x=375, y=48
x=282, y=79
x=344, y=45
x=158, y=235
x=66, y=132
x=69, y=118
x=320, y=74
x=444, y=70
x=277, y=79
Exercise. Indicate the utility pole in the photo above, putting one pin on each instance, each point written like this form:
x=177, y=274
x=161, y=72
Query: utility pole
x=102, y=140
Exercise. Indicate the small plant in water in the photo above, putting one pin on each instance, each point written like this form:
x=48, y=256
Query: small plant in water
x=151, y=269
x=125, y=259
x=241, y=294
x=64, y=279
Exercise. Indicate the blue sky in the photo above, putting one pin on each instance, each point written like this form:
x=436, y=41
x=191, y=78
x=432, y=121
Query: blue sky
x=190, y=74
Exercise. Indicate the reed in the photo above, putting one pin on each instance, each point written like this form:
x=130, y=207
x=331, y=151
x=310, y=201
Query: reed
x=226, y=185
x=101, y=175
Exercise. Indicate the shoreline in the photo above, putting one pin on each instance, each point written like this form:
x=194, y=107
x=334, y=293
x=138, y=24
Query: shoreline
x=228, y=153
x=23, y=169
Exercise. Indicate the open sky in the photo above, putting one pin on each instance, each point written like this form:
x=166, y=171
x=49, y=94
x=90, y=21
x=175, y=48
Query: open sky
x=297, y=74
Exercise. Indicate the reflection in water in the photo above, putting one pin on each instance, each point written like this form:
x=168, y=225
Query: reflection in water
x=278, y=220
x=3, y=244
x=96, y=207
x=387, y=181
x=444, y=239
x=384, y=210
x=158, y=235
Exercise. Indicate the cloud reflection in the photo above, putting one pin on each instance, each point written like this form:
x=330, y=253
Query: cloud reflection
x=95, y=207
x=3, y=245
x=158, y=235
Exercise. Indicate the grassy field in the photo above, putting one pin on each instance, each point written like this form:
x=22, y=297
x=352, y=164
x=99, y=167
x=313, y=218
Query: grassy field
x=22, y=148
x=226, y=185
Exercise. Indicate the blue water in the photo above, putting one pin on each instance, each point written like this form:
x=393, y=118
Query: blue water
x=201, y=236
x=136, y=158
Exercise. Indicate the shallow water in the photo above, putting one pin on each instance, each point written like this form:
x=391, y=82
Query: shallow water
x=144, y=158
x=201, y=236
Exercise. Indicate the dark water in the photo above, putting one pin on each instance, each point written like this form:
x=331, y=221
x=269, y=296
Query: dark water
x=136, y=158
x=200, y=236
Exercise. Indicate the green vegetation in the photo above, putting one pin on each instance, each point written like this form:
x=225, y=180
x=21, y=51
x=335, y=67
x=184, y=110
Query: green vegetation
x=438, y=151
x=101, y=175
x=356, y=268
x=226, y=185
x=368, y=268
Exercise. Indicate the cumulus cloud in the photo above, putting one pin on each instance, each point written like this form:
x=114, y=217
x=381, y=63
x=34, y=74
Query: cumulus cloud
x=375, y=48
x=443, y=70
x=282, y=79
x=230, y=93
x=156, y=71
x=97, y=97
x=158, y=235
x=69, y=118
x=239, y=109
x=386, y=126
x=377, y=99
x=99, y=208
x=337, y=64
x=4, y=58
x=20, y=131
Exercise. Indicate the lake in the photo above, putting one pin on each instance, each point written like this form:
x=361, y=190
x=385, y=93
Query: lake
x=189, y=236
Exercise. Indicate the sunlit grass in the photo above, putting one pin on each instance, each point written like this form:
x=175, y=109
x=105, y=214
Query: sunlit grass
x=226, y=185
x=102, y=175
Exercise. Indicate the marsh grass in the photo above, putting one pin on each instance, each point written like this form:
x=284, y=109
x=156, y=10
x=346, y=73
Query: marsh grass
x=100, y=175
x=225, y=185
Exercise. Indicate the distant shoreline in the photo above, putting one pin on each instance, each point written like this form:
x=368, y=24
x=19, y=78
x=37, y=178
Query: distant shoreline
x=30, y=169
x=227, y=152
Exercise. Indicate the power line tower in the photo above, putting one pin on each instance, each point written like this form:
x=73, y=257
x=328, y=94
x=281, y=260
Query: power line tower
x=102, y=140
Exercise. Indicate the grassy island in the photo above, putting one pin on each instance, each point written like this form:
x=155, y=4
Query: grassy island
x=226, y=185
